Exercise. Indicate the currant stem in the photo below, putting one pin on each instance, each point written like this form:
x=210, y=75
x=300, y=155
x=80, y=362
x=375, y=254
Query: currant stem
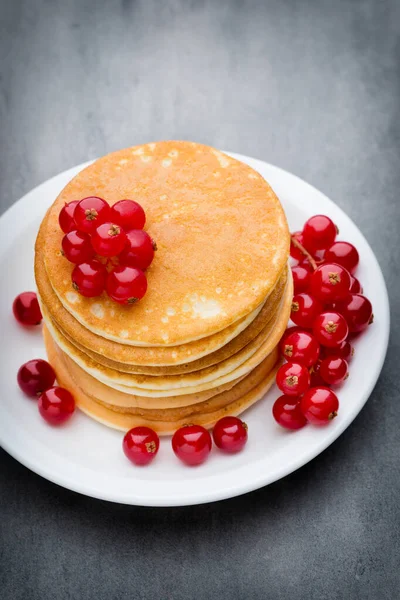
x=300, y=247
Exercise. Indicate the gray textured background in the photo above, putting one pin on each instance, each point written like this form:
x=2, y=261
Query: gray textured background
x=312, y=86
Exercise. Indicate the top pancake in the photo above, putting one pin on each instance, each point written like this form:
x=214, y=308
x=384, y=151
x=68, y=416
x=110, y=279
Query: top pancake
x=222, y=242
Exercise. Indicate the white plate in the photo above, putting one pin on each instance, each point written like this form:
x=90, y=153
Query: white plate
x=87, y=457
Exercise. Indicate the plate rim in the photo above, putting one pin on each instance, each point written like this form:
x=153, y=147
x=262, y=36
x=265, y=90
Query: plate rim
x=241, y=487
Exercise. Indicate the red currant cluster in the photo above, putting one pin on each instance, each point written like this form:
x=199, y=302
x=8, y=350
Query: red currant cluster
x=95, y=234
x=191, y=443
x=327, y=308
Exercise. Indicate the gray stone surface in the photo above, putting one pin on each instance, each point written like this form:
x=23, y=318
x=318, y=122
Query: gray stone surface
x=312, y=86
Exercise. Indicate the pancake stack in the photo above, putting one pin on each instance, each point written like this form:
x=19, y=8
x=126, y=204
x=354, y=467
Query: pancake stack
x=203, y=341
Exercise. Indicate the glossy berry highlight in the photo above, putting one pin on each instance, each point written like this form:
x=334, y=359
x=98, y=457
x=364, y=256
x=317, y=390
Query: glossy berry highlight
x=192, y=444
x=140, y=445
x=319, y=405
x=287, y=413
x=230, y=434
x=56, y=405
x=26, y=309
x=35, y=376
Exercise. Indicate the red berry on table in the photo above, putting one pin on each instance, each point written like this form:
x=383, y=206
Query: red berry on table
x=301, y=278
x=330, y=282
x=319, y=405
x=344, y=350
x=295, y=252
x=334, y=370
x=56, y=405
x=66, y=216
x=305, y=309
x=139, y=250
x=343, y=253
x=35, y=376
x=286, y=411
x=89, y=278
x=26, y=309
x=230, y=434
x=128, y=214
x=357, y=310
x=90, y=213
x=108, y=239
x=300, y=347
x=293, y=379
x=330, y=329
x=141, y=445
x=355, y=286
x=76, y=247
x=319, y=232
x=192, y=444
x=126, y=285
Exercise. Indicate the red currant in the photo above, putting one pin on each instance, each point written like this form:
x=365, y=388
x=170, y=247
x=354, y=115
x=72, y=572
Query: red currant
x=300, y=347
x=128, y=214
x=89, y=278
x=330, y=282
x=355, y=286
x=90, y=213
x=343, y=253
x=141, y=445
x=305, y=309
x=35, y=376
x=319, y=232
x=66, y=216
x=330, y=329
x=319, y=405
x=295, y=252
x=76, y=247
x=301, y=278
x=293, y=379
x=334, y=370
x=126, y=285
x=230, y=434
x=139, y=251
x=344, y=350
x=26, y=309
x=56, y=405
x=315, y=375
x=286, y=411
x=357, y=310
x=109, y=239
x=192, y=444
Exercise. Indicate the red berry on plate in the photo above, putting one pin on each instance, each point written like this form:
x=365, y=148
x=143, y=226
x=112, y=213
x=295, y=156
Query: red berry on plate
x=192, y=444
x=293, y=379
x=141, y=445
x=89, y=278
x=66, y=216
x=126, y=285
x=343, y=253
x=56, y=405
x=305, y=309
x=286, y=411
x=355, y=286
x=357, y=310
x=301, y=278
x=35, y=376
x=26, y=309
x=139, y=250
x=344, y=350
x=90, y=213
x=319, y=405
x=330, y=329
x=128, y=214
x=108, y=239
x=295, y=252
x=230, y=434
x=300, y=347
x=334, y=370
x=330, y=282
x=319, y=232
x=76, y=247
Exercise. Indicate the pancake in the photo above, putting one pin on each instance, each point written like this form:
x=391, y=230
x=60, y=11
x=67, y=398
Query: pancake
x=138, y=356
x=170, y=382
x=124, y=421
x=222, y=240
x=265, y=316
